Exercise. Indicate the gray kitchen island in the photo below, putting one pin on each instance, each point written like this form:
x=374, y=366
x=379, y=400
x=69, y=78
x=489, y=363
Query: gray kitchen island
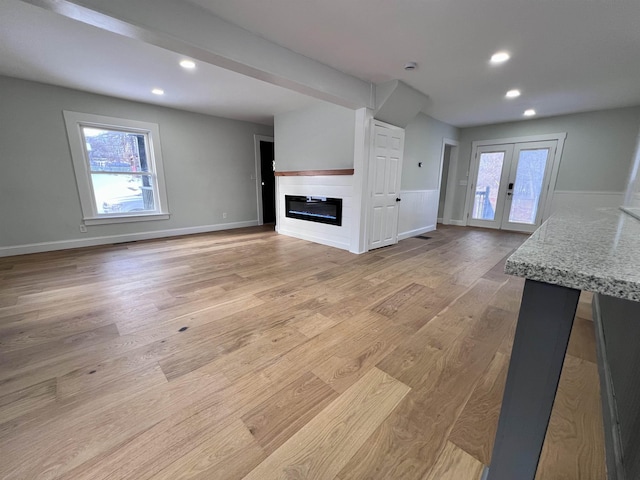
x=596, y=250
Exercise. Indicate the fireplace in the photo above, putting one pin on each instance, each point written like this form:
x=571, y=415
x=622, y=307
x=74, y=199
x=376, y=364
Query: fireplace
x=314, y=209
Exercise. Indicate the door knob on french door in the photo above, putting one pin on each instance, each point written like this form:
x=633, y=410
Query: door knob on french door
x=398, y=199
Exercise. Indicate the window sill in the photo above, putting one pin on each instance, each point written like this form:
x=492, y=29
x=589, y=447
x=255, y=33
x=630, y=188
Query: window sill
x=126, y=219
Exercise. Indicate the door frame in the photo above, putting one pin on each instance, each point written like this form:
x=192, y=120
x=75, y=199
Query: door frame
x=450, y=193
x=258, y=174
x=545, y=207
x=369, y=203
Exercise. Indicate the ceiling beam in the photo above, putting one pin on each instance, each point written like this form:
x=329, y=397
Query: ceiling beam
x=196, y=33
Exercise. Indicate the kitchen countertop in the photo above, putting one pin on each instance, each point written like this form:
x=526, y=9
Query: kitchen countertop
x=596, y=249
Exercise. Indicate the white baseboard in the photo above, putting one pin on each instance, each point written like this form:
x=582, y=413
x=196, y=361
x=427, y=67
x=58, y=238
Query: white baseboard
x=313, y=238
x=439, y=220
x=129, y=237
x=416, y=232
x=458, y=223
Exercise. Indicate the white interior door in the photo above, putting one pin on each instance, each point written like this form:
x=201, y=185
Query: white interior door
x=510, y=185
x=384, y=179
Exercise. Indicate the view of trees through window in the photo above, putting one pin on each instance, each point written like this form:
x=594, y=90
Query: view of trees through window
x=121, y=176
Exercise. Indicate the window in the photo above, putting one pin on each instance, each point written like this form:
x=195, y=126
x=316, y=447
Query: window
x=118, y=167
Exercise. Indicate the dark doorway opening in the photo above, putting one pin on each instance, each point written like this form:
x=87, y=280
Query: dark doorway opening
x=268, y=182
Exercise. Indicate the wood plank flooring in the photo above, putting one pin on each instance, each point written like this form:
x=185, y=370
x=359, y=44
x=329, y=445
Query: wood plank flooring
x=245, y=354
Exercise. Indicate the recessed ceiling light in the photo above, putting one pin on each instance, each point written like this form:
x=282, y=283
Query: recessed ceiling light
x=188, y=64
x=499, y=57
x=513, y=93
x=410, y=66
x=157, y=91
x=529, y=113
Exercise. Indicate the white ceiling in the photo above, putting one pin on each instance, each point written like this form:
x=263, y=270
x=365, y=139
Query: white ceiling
x=567, y=55
x=36, y=44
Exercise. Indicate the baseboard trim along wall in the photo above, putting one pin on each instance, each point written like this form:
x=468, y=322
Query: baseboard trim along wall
x=458, y=223
x=129, y=237
x=415, y=233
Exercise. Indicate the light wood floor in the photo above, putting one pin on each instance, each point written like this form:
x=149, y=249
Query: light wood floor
x=245, y=354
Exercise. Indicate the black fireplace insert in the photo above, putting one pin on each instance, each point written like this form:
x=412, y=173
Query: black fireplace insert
x=314, y=209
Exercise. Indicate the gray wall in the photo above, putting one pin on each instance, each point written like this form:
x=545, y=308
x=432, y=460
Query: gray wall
x=423, y=143
x=597, y=151
x=316, y=138
x=208, y=163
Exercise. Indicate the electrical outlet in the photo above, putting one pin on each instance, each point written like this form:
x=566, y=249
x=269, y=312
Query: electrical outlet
x=83, y=229
x=224, y=215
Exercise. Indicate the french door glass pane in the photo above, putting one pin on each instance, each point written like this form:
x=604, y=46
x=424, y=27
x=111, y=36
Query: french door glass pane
x=528, y=185
x=487, y=186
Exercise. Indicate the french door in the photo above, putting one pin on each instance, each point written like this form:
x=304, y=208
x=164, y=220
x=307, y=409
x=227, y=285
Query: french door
x=510, y=185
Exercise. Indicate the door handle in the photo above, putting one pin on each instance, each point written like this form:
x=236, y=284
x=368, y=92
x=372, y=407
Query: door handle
x=511, y=186
x=398, y=199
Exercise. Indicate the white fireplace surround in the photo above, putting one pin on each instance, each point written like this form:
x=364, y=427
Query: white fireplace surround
x=337, y=186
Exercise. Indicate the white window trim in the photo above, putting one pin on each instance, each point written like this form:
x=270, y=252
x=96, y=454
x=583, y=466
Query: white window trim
x=74, y=122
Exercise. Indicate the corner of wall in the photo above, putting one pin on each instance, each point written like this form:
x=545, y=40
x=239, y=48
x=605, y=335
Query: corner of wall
x=364, y=117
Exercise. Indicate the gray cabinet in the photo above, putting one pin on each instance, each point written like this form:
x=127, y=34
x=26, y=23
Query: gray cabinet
x=618, y=328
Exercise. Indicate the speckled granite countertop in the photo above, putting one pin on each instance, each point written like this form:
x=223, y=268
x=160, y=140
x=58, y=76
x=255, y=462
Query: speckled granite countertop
x=597, y=250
